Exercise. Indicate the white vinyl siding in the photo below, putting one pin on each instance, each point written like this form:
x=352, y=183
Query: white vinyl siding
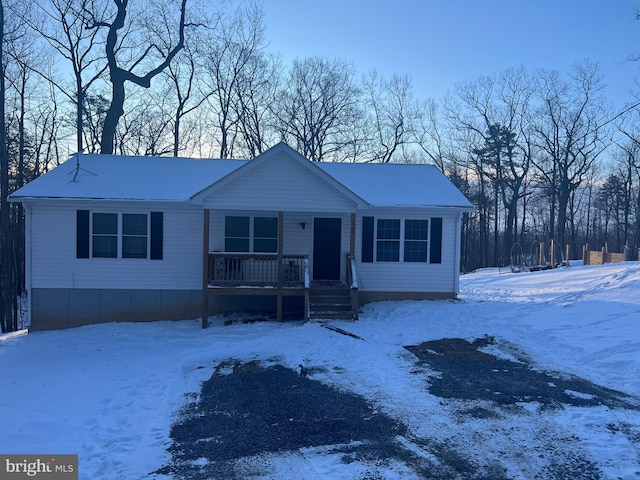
x=406, y=276
x=53, y=250
x=280, y=185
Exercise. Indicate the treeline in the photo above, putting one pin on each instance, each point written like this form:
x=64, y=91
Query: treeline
x=542, y=155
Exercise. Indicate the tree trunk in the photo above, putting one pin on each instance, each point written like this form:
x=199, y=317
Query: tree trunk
x=115, y=111
x=6, y=262
x=119, y=76
x=563, y=202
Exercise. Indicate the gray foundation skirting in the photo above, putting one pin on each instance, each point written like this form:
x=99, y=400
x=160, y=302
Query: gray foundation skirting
x=53, y=309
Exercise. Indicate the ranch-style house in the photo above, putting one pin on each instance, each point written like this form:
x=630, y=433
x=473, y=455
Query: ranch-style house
x=122, y=238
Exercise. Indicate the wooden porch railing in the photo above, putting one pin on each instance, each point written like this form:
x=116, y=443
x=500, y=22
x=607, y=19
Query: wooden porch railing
x=257, y=270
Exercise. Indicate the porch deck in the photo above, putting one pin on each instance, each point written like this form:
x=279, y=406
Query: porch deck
x=233, y=270
x=258, y=274
x=267, y=274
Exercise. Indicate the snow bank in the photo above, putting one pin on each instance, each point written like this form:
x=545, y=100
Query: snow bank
x=108, y=392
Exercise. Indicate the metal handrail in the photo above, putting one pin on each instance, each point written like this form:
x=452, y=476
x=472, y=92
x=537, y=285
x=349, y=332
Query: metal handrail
x=307, y=286
x=352, y=281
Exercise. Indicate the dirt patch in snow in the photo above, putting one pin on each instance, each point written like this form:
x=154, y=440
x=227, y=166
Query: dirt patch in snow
x=248, y=413
x=468, y=373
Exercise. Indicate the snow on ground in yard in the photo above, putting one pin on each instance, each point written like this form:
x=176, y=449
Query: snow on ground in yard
x=110, y=392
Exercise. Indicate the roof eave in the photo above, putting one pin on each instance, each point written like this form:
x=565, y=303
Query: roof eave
x=96, y=199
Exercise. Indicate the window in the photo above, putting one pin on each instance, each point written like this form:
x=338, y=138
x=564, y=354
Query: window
x=236, y=234
x=134, y=235
x=105, y=235
x=388, y=244
x=251, y=234
x=415, y=240
x=402, y=240
x=265, y=234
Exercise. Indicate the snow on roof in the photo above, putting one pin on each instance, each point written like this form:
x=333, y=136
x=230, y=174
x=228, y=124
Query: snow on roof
x=170, y=179
x=398, y=185
x=116, y=177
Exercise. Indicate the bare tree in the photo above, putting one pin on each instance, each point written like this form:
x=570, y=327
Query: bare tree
x=429, y=135
x=145, y=129
x=60, y=24
x=395, y=114
x=492, y=118
x=257, y=89
x=571, y=127
x=317, y=106
x=182, y=81
x=489, y=141
x=122, y=70
x=627, y=169
x=7, y=320
x=515, y=98
x=236, y=71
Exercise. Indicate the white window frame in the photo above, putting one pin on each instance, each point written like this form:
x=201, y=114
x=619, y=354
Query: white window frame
x=119, y=235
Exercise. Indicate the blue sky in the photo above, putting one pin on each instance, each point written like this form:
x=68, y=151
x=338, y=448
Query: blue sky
x=441, y=43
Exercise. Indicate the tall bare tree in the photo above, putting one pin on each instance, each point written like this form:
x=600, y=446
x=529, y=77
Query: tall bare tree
x=234, y=74
x=60, y=24
x=430, y=136
x=571, y=125
x=122, y=68
x=395, y=114
x=257, y=89
x=316, y=107
x=7, y=314
x=183, y=88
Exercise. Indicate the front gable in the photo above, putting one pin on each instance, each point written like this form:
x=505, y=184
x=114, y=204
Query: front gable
x=279, y=179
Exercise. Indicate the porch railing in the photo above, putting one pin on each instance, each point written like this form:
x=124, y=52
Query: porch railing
x=258, y=270
x=352, y=281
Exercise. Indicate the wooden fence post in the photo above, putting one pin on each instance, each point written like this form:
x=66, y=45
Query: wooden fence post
x=567, y=255
x=541, y=253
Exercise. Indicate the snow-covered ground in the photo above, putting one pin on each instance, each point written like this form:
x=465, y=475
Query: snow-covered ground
x=110, y=392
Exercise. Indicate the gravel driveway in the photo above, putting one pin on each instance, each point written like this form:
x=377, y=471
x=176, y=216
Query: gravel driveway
x=247, y=409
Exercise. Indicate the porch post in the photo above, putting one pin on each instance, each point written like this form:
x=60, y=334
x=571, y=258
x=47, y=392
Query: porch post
x=279, y=266
x=352, y=236
x=205, y=269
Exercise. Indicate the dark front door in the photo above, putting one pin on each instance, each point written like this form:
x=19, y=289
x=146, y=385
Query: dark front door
x=326, y=248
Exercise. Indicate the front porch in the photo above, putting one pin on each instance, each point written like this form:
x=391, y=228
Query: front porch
x=257, y=274
x=279, y=274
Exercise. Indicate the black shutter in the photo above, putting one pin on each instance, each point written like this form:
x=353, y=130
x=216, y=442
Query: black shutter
x=435, y=250
x=157, y=235
x=82, y=234
x=367, y=239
